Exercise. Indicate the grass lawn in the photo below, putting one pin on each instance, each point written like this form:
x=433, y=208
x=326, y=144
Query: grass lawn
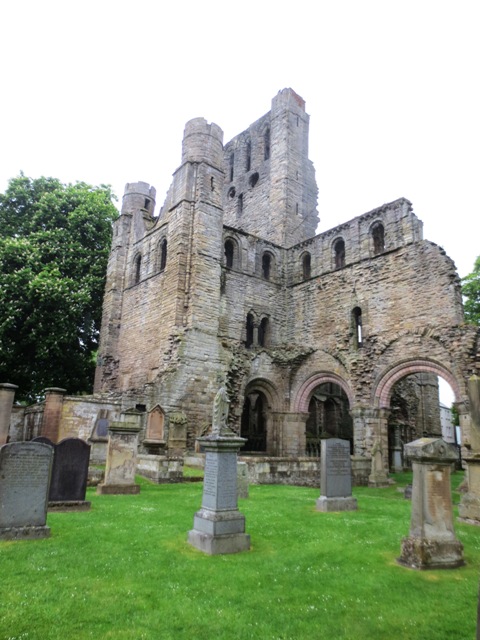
x=125, y=571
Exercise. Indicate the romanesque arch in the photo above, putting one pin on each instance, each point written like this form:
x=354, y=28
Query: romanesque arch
x=383, y=388
x=257, y=423
x=302, y=398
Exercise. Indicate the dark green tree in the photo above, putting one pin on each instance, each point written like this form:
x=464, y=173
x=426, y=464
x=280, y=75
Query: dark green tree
x=471, y=293
x=54, y=245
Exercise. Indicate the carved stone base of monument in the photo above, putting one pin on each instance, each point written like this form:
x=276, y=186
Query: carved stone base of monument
x=428, y=553
x=70, y=505
x=469, y=507
x=24, y=533
x=121, y=460
x=336, y=504
x=432, y=543
x=218, y=527
x=379, y=480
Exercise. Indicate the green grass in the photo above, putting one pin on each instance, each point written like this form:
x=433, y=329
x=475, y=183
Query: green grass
x=125, y=571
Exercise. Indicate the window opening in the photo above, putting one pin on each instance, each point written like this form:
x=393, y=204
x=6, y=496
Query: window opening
x=266, y=139
x=266, y=265
x=339, y=249
x=231, y=192
x=240, y=203
x=138, y=266
x=378, y=235
x=249, y=327
x=147, y=203
x=253, y=179
x=307, y=265
x=163, y=254
x=229, y=252
x=263, y=333
x=232, y=160
x=357, y=326
x=248, y=162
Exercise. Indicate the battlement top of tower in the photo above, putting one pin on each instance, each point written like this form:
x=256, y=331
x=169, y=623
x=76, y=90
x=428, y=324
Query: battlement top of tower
x=288, y=97
x=202, y=141
x=139, y=188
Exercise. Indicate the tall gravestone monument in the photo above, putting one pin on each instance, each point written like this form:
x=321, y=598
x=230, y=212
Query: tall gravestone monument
x=432, y=543
x=68, y=485
x=218, y=527
x=121, y=460
x=336, y=477
x=469, y=507
x=25, y=469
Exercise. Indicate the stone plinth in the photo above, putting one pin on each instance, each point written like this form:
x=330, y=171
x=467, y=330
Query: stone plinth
x=7, y=395
x=218, y=527
x=160, y=469
x=336, y=477
x=432, y=543
x=25, y=469
x=121, y=460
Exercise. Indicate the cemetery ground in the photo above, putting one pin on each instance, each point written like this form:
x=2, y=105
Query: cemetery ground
x=124, y=570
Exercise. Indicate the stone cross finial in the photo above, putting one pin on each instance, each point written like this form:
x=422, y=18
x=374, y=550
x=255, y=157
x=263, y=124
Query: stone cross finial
x=221, y=405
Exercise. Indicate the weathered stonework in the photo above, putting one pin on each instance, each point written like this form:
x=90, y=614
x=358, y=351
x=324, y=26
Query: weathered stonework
x=229, y=285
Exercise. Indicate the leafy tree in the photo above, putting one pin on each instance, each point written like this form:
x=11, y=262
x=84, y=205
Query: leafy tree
x=471, y=291
x=54, y=246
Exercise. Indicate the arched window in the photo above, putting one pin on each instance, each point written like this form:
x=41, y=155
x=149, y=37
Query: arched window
x=248, y=157
x=229, y=248
x=266, y=265
x=306, y=265
x=339, y=253
x=378, y=237
x=163, y=254
x=254, y=422
x=357, y=326
x=137, y=268
x=263, y=333
x=249, y=328
x=266, y=144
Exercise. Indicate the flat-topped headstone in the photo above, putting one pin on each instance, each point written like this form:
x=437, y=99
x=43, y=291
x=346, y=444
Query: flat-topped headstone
x=68, y=485
x=25, y=469
x=336, y=477
x=121, y=460
x=432, y=543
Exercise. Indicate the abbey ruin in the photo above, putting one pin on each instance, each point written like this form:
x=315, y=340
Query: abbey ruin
x=229, y=285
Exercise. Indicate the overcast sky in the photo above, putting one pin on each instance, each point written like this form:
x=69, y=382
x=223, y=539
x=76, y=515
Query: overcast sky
x=99, y=91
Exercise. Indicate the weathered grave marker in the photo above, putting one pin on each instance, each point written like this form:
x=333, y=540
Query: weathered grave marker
x=336, y=477
x=469, y=507
x=432, y=543
x=218, y=527
x=25, y=469
x=121, y=459
x=68, y=483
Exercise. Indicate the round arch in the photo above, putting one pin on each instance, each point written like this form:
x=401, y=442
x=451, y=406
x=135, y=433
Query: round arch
x=303, y=395
x=267, y=388
x=383, y=389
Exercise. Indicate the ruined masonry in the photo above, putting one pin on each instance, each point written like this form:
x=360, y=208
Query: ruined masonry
x=310, y=334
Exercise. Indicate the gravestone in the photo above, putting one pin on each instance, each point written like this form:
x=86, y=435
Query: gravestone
x=68, y=485
x=336, y=477
x=378, y=476
x=25, y=469
x=121, y=460
x=469, y=507
x=432, y=543
x=242, y=479
x=218, y=527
